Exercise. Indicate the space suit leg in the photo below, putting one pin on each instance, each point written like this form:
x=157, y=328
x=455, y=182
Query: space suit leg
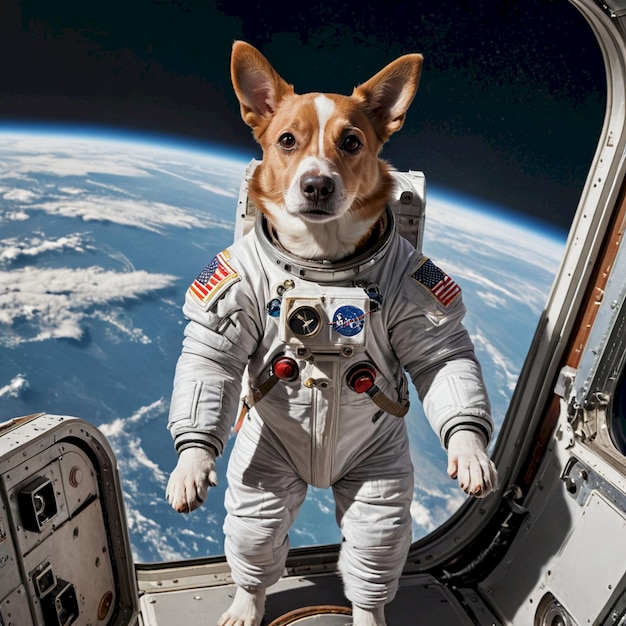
x=263, y=498
x=373, y=511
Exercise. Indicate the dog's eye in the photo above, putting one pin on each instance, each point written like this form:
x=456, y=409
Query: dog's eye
x=351, y=144
x=287, y=141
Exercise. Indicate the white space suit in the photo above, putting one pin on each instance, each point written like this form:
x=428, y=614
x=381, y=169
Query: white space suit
x=328, y=415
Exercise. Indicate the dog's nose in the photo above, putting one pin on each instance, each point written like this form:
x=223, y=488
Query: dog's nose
x=316, y=188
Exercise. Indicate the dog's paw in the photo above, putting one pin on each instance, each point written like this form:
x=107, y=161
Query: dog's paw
x=246, y=610
x=470, y=464
x=373, y=617
x=190, y=481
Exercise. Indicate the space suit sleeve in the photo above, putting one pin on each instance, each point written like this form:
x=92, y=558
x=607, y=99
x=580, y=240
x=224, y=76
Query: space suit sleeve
x=207, y=384
x=436, y=350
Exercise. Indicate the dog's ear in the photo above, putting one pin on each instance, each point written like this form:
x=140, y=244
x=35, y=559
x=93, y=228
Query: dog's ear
x=257, y=85
x=388, y=94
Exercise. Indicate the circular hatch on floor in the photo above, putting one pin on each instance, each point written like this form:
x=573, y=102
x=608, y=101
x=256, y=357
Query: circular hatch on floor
x=316, y=616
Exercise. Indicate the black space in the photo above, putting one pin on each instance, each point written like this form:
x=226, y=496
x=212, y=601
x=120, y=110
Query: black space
x=510, y=105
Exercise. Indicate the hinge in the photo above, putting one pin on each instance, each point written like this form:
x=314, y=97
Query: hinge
x=583, y=416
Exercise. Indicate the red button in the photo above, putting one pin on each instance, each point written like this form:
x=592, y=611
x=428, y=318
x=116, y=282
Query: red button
x=361, y=378
x=285, y=368
x=363, y=383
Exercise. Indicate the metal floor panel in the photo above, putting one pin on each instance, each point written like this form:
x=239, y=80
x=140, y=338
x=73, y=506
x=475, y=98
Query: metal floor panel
x=419, y=600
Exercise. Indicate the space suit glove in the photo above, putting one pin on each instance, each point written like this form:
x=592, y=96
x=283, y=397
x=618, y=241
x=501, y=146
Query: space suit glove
x=189, y=483
x=470, y=464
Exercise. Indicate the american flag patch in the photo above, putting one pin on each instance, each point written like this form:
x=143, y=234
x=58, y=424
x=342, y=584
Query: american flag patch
x=214, y=278
x=437, y=281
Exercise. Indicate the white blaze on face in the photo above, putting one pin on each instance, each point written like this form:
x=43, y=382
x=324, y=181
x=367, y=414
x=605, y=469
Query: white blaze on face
x=315, y=162
x=324, y=107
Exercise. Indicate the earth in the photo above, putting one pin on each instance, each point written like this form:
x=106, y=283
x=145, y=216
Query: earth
x=100, y=239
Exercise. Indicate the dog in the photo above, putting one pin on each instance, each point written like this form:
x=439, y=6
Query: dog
x=325, y=352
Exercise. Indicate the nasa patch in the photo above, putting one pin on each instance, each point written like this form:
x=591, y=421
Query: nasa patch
x=348, y=320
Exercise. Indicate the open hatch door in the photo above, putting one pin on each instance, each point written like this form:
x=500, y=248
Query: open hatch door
x=64, y=549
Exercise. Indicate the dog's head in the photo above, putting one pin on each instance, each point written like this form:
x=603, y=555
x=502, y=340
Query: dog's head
x=321, y=184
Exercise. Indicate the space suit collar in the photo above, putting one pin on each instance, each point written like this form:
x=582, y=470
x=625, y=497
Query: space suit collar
x=346, y=269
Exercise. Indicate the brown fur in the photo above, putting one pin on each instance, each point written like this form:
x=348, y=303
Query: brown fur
x=374, y=111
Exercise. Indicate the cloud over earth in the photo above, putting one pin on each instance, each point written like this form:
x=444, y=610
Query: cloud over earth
x=55, y=302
